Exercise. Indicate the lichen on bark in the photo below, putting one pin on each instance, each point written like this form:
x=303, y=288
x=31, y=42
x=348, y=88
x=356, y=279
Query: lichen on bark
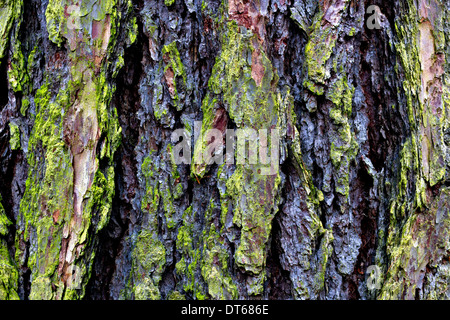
x=95, y=206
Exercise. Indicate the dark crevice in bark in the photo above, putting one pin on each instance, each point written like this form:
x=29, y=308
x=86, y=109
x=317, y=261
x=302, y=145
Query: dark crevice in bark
x=3, y=83
x=368, y=218
x=109, y=242
x=30, y=22
x=7, y=188
x=386, y=131
x=352, y=289
x=168, y=279
x=364, y=182
x=126, y=101
x=8, y=162
x=386, y=7
x=279, y=285
x=378, y=59
x=24, y=285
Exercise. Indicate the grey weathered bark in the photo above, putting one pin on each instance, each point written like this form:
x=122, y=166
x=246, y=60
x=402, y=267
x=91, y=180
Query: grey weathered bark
x=93, y=205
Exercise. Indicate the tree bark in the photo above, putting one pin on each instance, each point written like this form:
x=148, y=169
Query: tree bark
x=94, y=206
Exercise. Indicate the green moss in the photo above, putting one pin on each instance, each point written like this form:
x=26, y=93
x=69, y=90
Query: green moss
x=100, y=197
x=150, y=254
x=408, y=52
x=47, y=208
x=175, y=295
x=25, y=105
x=314, y=88
x=256, y=219
x=160, y=111
x=46, y=259
x=8, y=272
x=148, y=261
x=167, y=201
x=214, y=267
x=420, y=112
x=8, y=12
x=132, y=31
x=252, y=102
x=41, y=289
x=169, y=2
x=173, y=62
x=343, y=144
x=4, y=221
x=18, y=76
x=31, y=61
x=14, y=138
x=325, y=252
x=341, y=95
x=205, y=256
x=17, y=72
x=171, y=188
x=419, y=165
x=151, y=198
x=54, y=16
x=59, y=13
x=189, y=247
x=249, y=104
x=318, y=50
x=199, y=166
x=47, y=194
x=174, y=172
x=352, y=31
x=401, y=248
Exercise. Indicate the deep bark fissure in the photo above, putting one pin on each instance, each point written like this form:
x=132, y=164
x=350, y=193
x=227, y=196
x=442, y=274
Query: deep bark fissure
x=126, y=100
x=3, y=83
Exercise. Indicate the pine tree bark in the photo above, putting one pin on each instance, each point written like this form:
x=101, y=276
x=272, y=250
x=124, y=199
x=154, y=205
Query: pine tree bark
x=94, y=206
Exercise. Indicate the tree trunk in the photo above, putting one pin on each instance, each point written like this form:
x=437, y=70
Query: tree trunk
x=94, y=204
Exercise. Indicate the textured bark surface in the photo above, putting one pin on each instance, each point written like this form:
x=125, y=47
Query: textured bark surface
x=93, y=205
